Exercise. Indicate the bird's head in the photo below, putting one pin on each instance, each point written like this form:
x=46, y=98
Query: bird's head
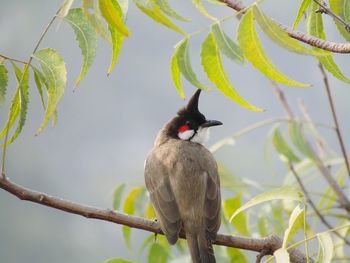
x=190, y=124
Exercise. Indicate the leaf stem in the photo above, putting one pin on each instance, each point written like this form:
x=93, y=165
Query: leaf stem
x=12, y=59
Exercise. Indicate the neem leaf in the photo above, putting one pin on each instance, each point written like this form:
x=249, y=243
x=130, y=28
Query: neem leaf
x=325, y=254
x=281, y=255
x=55, y=73
x=112, y=13
x=235, y=255
x=211, y=61
x=39, y=78
x=117, y=196
x=175, y=73
x=3, y=82
x=200, y=7
x=250, y=44
x=282, y=147
x=157, y=254
x=315, y=28
x=86, y=37
x=296, y=222
x=297, y=136
x=280, y=37
x=240, y=221
x=156, y=14
x=184, y=63
x=117, y=260
x=302, y=8
x=65, y=8
x=226, y=45
x=166, y=8
x=117, y=42
x=342, y=9
x=282, y=193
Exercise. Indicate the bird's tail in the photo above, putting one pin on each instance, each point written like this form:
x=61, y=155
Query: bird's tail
x=201, y=249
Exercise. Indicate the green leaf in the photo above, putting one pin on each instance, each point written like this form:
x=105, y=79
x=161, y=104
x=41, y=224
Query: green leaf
x=130, y=208
x=156, y=14
x=38, y=77
x=65, y=8
x=342, y=9
x=249, y=42
x=184, y=63
x=282, y=193
x=23, y=99
x=240, y=221
x=302, y=9
x=296, y=135
x=13, y=113
x=3, y=82
x=117, y=42
x=315, y=28
x=117, y=196
x=117, y=260
x=157, y=254
x=198, y=4
x=175, y=73
x=86, y=38
x=283, y=148
x=212, y=65
x=281, y=255
x=325, y=254
x=124, y=5
x=262, y=221
x=235, y=255
x=166, y=8
x=55, y=73
x=280, y=37
x=112, y=13
x=149, y=212
x=226, y=45
x=296, y=222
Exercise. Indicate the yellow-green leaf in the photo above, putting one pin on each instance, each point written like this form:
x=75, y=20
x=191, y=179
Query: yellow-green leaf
x=283, y=148
x=117, y=196
x=280, y=37
x=39, y=79
x=282, y=193
x=13, y=113
x=117, y=260
x=235, y=255
x=3, y=82
x=315, y=28
x=296, y=222
x=175, y=73
x=157, y=254
x=117, y=42
x=156, y=14
x=325, y=254
x=296, y=135
x=302, y=9
x=198, y=4
x=240, y=221
x=211, y=61
x=55, y=73
x=65, y=8
x=167, y=9
x=149, y=212
x=112, y=13
x=281, y=255
x=250, y=44
x=226, y=45
x=342, y=9
x=86, y=38
x=184, y=63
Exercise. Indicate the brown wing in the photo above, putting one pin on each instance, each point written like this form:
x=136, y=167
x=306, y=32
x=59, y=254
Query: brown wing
x=162, y=197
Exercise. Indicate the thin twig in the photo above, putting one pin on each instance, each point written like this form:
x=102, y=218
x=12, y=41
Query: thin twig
x=282, y=99
x=335, y=119
x=270, y=243
x=12, y=59
x=312, y=204
x=310, y=40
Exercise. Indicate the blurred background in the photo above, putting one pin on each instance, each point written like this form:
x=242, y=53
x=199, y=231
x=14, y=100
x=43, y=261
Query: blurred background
x=106, y=128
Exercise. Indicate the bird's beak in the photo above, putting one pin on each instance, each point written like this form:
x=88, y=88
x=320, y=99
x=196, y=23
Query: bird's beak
x=209, y=123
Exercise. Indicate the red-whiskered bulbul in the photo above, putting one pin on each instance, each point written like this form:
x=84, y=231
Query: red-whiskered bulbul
x=181, y=176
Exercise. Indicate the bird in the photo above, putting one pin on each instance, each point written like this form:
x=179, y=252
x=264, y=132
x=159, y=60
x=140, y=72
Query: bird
x=181, y=176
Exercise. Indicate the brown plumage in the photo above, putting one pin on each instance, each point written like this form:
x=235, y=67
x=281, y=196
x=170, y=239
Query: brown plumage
x=182, y=179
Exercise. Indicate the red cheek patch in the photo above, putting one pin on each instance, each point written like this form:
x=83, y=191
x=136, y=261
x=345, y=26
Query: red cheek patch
x=183, y=128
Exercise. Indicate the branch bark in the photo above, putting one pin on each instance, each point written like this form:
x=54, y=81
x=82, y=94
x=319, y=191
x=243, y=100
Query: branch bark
x=310, y=40
x=267, y=245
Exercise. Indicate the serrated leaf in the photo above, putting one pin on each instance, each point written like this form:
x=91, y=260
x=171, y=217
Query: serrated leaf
x=184, y=63
x=175, y=73
x=283, y=148
x=13, y=113
x=129, y=208
x=38, y=78
x=226, y=45
x=166, y=8
x=296, y=135
x=211, y=62
x=240, y=221
x=117, y=42
x=282, y=193
x=280, y=37
x=325, y=254
x=118, y=260
x=342, y=9
x=112, y=13
x=3, y=82
x=86, y=38
x=235, y=255
x=302, y=9
x=55, y=73
x=156, y=14
x=296, y=222
x=250, y=44
x=281, y=255
x=198, y=4
x=157, y=254
x=315, y=28
x=117, y=196
x=23, y=89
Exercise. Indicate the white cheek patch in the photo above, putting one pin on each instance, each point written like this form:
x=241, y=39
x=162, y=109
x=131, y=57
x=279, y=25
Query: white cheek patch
x=186, y=135
x=202, y=135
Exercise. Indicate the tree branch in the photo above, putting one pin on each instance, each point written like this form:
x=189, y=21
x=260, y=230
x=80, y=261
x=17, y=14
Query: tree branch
x=310, y=40
x=267, y=245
